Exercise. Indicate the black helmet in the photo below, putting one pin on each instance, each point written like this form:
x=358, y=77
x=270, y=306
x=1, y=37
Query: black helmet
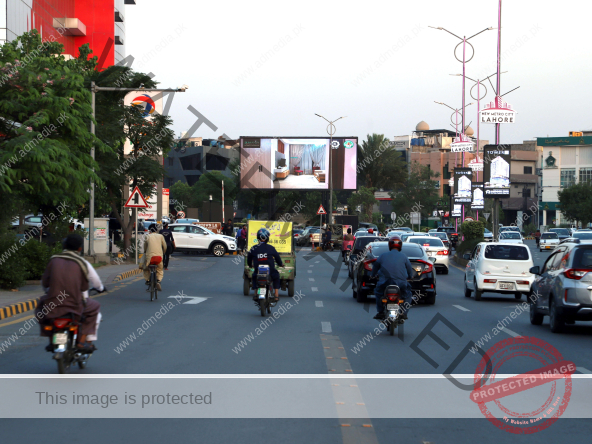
x=263, y=235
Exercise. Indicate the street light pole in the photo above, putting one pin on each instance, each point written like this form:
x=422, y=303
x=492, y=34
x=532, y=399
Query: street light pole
x=330, y=131
x=94, y=89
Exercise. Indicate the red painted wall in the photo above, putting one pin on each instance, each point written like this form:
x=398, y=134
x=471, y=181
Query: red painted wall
x=99, y=18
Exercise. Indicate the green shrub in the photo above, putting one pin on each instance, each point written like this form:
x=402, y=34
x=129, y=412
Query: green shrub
x=467, y=246
x=530, y=228
x=472, y=230
x=12, y=263
x=37, y=255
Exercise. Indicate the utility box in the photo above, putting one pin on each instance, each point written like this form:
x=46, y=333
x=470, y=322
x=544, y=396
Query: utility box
x=101, y=235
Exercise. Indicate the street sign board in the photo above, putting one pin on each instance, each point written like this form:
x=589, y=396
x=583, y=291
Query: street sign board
x=321, y=210
x=136, y=200
x=180, y=215
x=393, y=216
x=486, y=215
x=469, y=219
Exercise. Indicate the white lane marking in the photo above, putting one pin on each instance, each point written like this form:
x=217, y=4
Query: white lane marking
x=310, y=266
x=311, y=279
x=315, y=289
x=310, y=271
x=192, y=299
x=510, y=332
x=316, y=262
x=461, y=308
x=318, y=303
x=584, y=370
x=326, y=326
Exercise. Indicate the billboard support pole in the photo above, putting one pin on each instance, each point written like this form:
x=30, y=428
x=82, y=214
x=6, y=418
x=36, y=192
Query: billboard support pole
x=497, y=125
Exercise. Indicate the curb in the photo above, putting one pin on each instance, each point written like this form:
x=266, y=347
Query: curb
x=127, y=274
x=21, y=307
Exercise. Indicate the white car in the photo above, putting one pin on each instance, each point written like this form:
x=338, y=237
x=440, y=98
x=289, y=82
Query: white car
x=498, y=268
x=510, y=237
x=189, y=237
x=408, y=234
x=585, y=237
x=434, y=248
x=487, y=235
x=549, y=241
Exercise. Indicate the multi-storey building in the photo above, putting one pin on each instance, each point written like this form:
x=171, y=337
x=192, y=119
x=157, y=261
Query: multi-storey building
x=100, y=23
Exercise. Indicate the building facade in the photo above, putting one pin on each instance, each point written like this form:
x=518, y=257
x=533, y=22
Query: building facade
x=100, y=23
x=565, y=161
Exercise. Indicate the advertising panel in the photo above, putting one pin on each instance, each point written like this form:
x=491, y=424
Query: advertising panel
x=496, y=170
x=497, y=111
x=478, y=200
x=462, y=185
x=281, y=234
x=457, y=211
x=214, y=227
x=298, y=163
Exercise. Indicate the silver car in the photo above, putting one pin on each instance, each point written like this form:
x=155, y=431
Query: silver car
x=562, y=288
x=434, y=248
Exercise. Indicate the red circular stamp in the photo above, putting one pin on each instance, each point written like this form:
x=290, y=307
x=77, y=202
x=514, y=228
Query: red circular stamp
x=503, y=401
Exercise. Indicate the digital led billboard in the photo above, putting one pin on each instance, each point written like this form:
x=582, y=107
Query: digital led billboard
x=496, y=170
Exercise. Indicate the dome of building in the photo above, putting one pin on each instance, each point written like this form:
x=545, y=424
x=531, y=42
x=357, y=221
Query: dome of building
x=422, y=126
x=469, y=131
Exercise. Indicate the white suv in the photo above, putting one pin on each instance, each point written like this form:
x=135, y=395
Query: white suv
x=189, y=237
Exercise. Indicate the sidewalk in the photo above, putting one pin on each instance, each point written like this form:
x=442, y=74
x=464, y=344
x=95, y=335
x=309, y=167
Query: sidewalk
x=16, y=302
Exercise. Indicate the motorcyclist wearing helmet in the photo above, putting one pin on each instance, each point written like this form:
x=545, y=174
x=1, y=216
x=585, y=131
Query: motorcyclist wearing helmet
x=264, y=254
x=393, y=268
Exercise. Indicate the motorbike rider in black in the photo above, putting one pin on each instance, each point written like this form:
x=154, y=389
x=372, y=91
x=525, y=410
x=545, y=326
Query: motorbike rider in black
x=264, y=254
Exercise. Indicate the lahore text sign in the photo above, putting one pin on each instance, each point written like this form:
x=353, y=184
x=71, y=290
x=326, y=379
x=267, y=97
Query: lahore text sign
x=497, y=111
x=461, y=144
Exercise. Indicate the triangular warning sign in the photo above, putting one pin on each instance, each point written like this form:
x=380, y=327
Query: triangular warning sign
x=321, y=210
x=136, y=200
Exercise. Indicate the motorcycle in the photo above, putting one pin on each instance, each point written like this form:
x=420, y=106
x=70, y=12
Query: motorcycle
x=392, y=301
x=348, y=246
x=328, y=246
x=64, y=331
x=264, y=290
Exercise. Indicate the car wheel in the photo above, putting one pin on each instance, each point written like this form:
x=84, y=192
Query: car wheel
x=467, y=291
x=535, y=317
x=430, y=300
x=517, y=295
x=218, y=250
x=445, y=270
x=361, y=296
x=556, y=321
x=478, y=292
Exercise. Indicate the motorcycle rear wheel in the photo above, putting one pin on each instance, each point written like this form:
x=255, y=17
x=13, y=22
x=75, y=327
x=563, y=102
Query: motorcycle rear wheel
x=392, y=327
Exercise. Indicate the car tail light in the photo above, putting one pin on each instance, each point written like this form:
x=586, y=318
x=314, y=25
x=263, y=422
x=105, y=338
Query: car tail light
x=428, y=267
x=522, y=282
x=574, y=273
x=426, y=245
x=442, y=253
x=368, y=264
x=490, y=281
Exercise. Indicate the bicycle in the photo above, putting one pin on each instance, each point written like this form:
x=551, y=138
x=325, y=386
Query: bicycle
x=152, y=281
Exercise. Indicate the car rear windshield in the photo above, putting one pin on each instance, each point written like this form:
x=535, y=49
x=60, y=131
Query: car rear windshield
x=549, y=236
x=509, y=235
x=361, y=242
x=583, y=257
x=440, y=235
x=583, y=236
x=314, y=230
x=506, y=253
x=413, y=251
x=427, y=241
x=562, y=231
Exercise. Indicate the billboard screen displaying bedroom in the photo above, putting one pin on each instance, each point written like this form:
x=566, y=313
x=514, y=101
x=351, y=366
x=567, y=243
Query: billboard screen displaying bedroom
x=298, y=163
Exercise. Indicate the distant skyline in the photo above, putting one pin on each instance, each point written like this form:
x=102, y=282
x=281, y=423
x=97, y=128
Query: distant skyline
x=266, y=68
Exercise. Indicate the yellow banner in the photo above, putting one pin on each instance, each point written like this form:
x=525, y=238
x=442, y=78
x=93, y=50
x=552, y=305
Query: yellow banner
x=281, y=234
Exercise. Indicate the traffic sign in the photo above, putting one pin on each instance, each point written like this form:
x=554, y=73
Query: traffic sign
x=469, y=219
x=486, y=215
x=136, y=200
x=180, y=215
x=321, y=210
x=393, y=216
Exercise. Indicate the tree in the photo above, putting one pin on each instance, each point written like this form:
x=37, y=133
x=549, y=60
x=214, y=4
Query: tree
x=418, y=193
x=364, y=198
x=379, y=166
x=576, y=202
x=45, y=139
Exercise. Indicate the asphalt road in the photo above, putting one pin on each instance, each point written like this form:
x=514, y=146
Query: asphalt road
x=211, y=328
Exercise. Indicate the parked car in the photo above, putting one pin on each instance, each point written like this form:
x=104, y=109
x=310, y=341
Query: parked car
x=549, y=241
x=561, y=289
x=487, y=235
x=435, y=248
x=310, y=234
x=189, y=237
x=443, y=237
x=562, y=233
x=499, y=268
x=358, y=249
x=510, y=237
x=423, y=284
x=30, y=221
x=452, y=235
x=296, y=232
